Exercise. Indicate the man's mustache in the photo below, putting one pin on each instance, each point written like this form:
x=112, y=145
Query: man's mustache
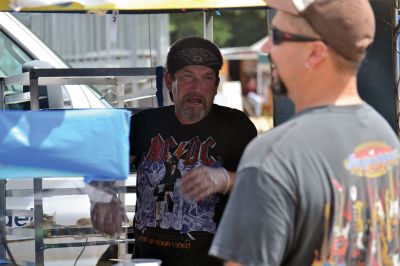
x=191, y=96
x=277, y=86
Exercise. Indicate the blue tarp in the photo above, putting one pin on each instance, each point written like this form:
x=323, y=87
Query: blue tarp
x=57, y=143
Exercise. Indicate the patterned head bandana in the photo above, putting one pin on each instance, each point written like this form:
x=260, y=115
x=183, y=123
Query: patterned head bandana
x=193, y=51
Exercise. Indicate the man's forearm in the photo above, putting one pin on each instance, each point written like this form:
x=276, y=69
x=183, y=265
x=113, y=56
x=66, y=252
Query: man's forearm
x=100, y=191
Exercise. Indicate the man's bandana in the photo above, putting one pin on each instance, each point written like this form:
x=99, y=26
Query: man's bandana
x=193, y=51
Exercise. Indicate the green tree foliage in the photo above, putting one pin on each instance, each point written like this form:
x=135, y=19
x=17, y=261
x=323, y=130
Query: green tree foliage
x=231, y=27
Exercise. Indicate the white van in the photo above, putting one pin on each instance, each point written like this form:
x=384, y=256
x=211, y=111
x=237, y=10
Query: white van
x=18, y=45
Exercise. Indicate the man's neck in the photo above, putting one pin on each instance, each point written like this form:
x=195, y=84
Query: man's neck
x=186, y=121
x=340, y=102
x=330, y=90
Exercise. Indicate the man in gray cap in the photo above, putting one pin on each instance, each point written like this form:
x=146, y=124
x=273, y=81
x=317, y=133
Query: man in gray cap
x=186, y=157
x=322, y=188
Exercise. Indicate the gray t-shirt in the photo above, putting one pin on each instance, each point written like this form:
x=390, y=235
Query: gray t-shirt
x=321, y=188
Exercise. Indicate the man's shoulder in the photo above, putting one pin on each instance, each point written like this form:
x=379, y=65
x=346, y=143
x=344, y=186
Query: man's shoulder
x=225, y=109
x=235, y=118
x=158, y=111
x=280, y=137
x=229, y=112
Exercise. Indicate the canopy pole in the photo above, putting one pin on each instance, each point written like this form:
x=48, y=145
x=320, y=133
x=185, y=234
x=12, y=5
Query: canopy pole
x=396, y=62
x=208, y=25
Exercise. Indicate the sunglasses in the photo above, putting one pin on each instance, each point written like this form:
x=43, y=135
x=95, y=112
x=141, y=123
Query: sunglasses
x=280, y=36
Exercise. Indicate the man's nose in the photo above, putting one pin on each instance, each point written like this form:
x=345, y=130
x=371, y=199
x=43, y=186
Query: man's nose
x=198, y=83
x=266, y=47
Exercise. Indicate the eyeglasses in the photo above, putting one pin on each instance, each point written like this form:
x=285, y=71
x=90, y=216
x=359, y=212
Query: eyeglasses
x=280, y=36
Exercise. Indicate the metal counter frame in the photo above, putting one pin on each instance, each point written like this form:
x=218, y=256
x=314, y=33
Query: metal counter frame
x=73, y=76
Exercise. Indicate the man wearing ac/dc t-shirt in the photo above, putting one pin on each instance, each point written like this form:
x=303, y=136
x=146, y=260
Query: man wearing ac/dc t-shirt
x=186, y=156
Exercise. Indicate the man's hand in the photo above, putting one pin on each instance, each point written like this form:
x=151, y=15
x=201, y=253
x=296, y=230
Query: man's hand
x=106, y=211
x=203, y=181
x=107, y=217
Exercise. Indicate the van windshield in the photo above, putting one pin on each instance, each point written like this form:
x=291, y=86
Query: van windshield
x=11, y=57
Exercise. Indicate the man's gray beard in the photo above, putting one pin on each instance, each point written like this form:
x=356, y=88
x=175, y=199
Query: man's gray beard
x=193, y=115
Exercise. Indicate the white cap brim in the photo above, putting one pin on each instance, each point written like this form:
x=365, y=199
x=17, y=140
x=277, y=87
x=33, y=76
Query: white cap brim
x=284, y=5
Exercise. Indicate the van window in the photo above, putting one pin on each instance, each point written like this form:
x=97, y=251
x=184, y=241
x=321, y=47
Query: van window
x=12, y=57
x=11, y=60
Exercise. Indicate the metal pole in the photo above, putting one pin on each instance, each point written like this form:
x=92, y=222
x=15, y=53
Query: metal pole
x=37, y=183
x=395, y=22
x=38, y=214
x=3, y=216
x=34, y=91
x=208, y=25
x=120, y=95
x=3, y=204
x=2, y=94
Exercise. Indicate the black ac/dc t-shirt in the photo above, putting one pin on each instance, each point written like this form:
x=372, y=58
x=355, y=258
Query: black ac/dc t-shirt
x=165, y=150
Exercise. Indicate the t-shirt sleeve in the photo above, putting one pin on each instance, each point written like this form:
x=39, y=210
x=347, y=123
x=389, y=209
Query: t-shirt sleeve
x=257, y=224
x=239, y=134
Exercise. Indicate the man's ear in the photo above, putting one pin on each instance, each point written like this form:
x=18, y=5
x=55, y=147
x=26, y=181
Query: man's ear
x=217, y=84
x=318, y=52
x=168, y=78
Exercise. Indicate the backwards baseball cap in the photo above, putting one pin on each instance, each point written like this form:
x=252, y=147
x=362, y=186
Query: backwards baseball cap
x=347, y=26
x=193, y=51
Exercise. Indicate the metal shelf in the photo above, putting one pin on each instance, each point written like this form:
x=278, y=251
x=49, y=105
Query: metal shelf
x=76, y=76
x=80, y=76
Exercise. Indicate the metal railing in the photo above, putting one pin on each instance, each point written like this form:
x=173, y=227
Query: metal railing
x=77, y=76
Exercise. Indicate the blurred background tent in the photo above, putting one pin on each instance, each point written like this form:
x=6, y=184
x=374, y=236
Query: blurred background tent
x=141, y=40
